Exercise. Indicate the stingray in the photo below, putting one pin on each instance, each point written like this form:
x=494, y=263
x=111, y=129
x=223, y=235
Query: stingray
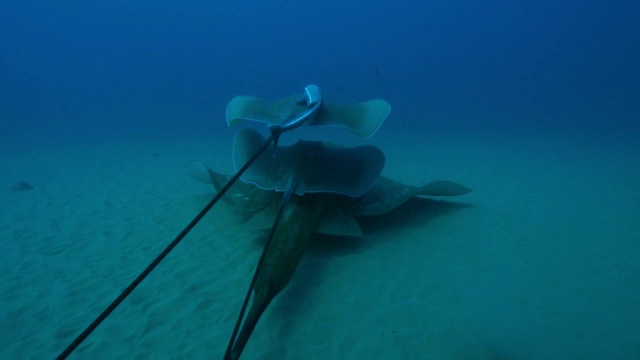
x=261, y=189
x=308, y=108
x=324, y=188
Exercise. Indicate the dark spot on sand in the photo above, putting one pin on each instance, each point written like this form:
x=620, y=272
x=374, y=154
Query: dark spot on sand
x=22, y=186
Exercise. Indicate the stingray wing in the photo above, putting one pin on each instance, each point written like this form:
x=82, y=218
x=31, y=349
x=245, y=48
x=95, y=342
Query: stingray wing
x=334, y=220
x=388, y=194
x=442, y=188
x=243, y=108
x=314, y=167
x=243, y=196
x=363, y=118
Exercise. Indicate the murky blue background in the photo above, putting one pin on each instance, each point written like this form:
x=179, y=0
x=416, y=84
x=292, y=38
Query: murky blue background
x=74, y=71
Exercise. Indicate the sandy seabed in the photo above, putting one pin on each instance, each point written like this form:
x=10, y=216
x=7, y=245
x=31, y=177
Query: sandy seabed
x=540, y=261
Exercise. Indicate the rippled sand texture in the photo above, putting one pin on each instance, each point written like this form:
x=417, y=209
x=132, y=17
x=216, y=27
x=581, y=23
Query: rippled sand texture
x=542, y=263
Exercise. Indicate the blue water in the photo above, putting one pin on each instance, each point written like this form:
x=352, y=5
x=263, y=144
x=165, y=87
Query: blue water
x=144, y=69
x=507, y=82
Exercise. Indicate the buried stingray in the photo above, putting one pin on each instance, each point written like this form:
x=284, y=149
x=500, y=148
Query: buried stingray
x=323, y=188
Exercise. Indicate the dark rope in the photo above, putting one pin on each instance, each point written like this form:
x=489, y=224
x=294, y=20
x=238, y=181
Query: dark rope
x=162, y=255
x=234, y=335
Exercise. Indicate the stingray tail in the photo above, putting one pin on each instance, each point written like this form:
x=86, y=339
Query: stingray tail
x=258, y=307
x=262, y=294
